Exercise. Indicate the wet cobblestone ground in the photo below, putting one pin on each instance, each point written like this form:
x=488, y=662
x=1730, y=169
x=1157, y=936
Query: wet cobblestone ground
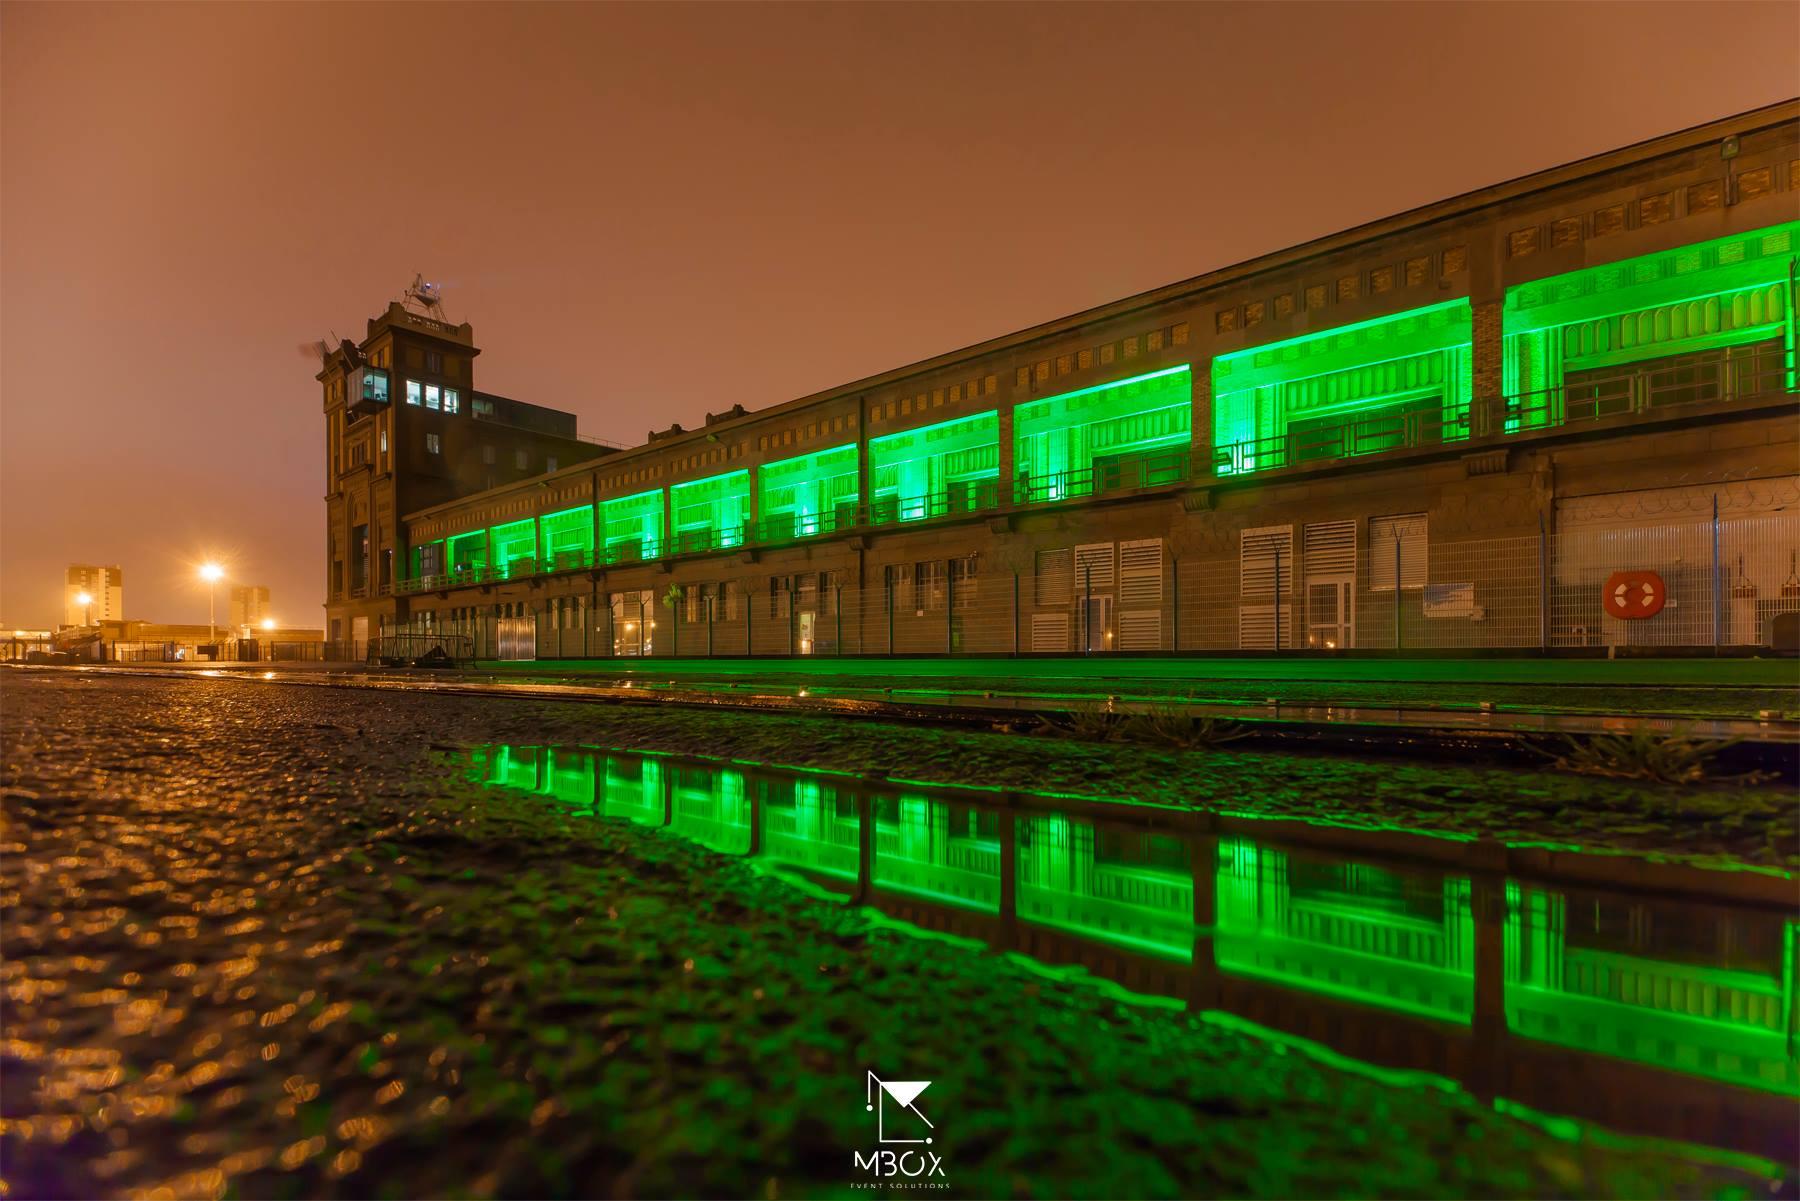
x=268, y=941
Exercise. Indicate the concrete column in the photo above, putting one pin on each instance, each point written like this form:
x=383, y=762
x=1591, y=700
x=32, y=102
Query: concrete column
x=1203, y=979
x=1008, y=456
x=1200, y=436
x=1488, y=1046
x=1487, y=407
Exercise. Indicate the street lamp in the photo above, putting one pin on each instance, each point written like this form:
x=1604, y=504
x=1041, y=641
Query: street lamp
x=86, y=602
x=268, y=623
x=212, y=573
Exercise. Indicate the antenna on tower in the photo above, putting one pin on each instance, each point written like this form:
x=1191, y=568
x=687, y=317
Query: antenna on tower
x=426, y=297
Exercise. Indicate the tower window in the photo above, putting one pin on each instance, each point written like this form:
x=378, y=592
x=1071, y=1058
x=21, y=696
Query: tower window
x=414, y=392
x=434, y=445
x=452, y=402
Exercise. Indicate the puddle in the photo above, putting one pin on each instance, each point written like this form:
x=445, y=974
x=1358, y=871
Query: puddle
x=1656, y=1015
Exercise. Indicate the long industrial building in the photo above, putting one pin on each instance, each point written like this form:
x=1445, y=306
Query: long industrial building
x=1558, y=412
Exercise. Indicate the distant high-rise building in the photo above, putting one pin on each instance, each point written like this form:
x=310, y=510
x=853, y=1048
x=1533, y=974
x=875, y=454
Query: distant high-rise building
x=249, y=605
x=103, y=586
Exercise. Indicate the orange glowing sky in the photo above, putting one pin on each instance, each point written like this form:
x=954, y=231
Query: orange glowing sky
x=648, y=212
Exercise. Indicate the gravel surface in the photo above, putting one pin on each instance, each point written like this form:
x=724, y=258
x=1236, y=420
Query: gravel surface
x=270, y=941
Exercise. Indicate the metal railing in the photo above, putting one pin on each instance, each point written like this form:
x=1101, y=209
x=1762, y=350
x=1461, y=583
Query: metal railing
x=974, y=496
x=1127, y=473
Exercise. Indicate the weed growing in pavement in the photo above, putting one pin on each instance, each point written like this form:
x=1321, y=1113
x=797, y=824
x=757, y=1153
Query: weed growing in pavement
x=1643, y=755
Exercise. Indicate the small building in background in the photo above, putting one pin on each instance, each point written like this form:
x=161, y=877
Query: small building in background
x=105, y=589
x=249, y=606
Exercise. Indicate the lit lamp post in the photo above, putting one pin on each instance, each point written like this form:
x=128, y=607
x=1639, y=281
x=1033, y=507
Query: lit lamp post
x=87, y=603
x=212, y=573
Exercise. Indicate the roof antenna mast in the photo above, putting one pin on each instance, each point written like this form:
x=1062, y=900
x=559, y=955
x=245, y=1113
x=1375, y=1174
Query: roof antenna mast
x=426, y=297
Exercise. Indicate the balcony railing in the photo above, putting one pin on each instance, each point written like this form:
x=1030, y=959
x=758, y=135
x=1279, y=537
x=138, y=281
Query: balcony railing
x=1124, y=473
x=1584, y=397
x=971, y=496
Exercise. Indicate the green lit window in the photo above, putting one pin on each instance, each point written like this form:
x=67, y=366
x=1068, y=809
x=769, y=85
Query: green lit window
x=952, y=467
x=569, y=777
x=1708, y=997
x=1710, y=321
x=468, y=552
x=1378, y=385
x=945, y=853
x=712, y=512
x=631, y=527
x=712, y=807
x=1131, y=901
x=569, y=537
x=632, y=787
x=1131, y=433
x=810, y=825
x=810, y=494
x=515, y=547
x=1403, y=940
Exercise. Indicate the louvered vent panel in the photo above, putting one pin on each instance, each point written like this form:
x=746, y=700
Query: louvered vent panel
x=1141, y=572
x=1140, y=629
x=1095, y=567
x=1330, y=548
x=1263, y=553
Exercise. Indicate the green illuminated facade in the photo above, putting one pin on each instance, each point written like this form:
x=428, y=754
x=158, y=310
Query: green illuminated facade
x=811, y=825
x=468, y=552
x=1399, y=940
x=631, y=527
x=1696, y=993
x=951, y=467
x=809, y=494
x=711, y=513
x=1130, y=433
x=515, y=548
x=568, y=537
x=1483, y=369
x=944, y=853
x=1570, y=980
x=1376, y=385
x=1718, y=314
x=1132, y=891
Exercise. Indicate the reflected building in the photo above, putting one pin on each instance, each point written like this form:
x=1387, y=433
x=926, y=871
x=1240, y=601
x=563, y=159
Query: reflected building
x=1616, y=1006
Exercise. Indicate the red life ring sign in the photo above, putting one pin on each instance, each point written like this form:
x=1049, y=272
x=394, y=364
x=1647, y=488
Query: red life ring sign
x=1634, y=595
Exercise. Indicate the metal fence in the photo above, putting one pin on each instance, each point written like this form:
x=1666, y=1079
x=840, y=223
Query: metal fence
x=1720, y=585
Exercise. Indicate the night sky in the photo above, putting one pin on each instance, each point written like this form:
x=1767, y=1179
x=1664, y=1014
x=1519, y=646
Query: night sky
x=650, y=212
